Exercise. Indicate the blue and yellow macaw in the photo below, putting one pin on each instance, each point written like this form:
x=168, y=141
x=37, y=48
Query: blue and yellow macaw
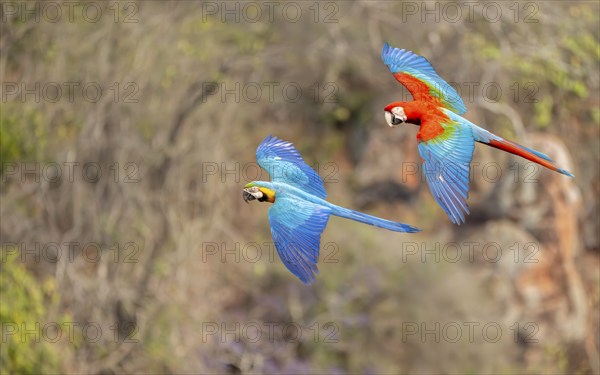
x=446, y=139
x=300, y=212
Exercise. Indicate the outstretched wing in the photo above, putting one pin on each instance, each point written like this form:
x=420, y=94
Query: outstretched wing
x=284, y=164
x=296, y=227
x=446, y=161
x=421, y=80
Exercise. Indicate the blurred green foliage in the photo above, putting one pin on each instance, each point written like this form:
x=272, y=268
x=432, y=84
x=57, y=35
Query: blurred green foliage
x=24, y=310
x=22, y=134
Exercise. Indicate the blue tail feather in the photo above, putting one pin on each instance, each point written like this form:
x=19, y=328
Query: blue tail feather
x=372, y=220
x=565, y=172
x=537, y=153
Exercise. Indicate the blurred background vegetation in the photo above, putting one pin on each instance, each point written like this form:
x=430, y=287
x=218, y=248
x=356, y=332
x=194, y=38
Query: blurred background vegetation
x=171, y=147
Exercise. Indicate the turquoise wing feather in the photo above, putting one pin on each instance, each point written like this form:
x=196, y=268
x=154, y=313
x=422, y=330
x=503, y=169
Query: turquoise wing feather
x=296, y=227
x=419, y=77
x=446, y=164
x=284, y=164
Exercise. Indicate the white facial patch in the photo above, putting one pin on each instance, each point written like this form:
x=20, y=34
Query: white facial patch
x=399, y=112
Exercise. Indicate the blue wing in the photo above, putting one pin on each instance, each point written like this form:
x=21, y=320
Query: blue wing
x=446, y=164
x=408, y=66
x=296, y=227
x=401, y=60
x=284, y=164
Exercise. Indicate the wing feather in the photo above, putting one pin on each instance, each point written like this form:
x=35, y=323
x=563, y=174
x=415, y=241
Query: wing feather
x=296, y=227
x=284, y=164
x=446, y=161
x=420, y=78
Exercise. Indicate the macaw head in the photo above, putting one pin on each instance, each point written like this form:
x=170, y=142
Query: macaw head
x=394, y=115
x=258, y=191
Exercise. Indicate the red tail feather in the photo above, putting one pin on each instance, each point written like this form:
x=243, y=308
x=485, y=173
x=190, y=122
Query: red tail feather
x=524, y=152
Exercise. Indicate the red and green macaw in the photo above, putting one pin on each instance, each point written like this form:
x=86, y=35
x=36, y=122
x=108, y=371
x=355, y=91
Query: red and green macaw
x=300, y=212
x=446, y=139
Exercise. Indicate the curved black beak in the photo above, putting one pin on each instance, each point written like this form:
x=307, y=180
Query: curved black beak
x=396, y=120
x=247, y=196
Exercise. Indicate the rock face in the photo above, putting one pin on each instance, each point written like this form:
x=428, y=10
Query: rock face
x=540, y=275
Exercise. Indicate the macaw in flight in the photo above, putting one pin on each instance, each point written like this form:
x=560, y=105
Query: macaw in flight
x=299, y=212
x=446, y=139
